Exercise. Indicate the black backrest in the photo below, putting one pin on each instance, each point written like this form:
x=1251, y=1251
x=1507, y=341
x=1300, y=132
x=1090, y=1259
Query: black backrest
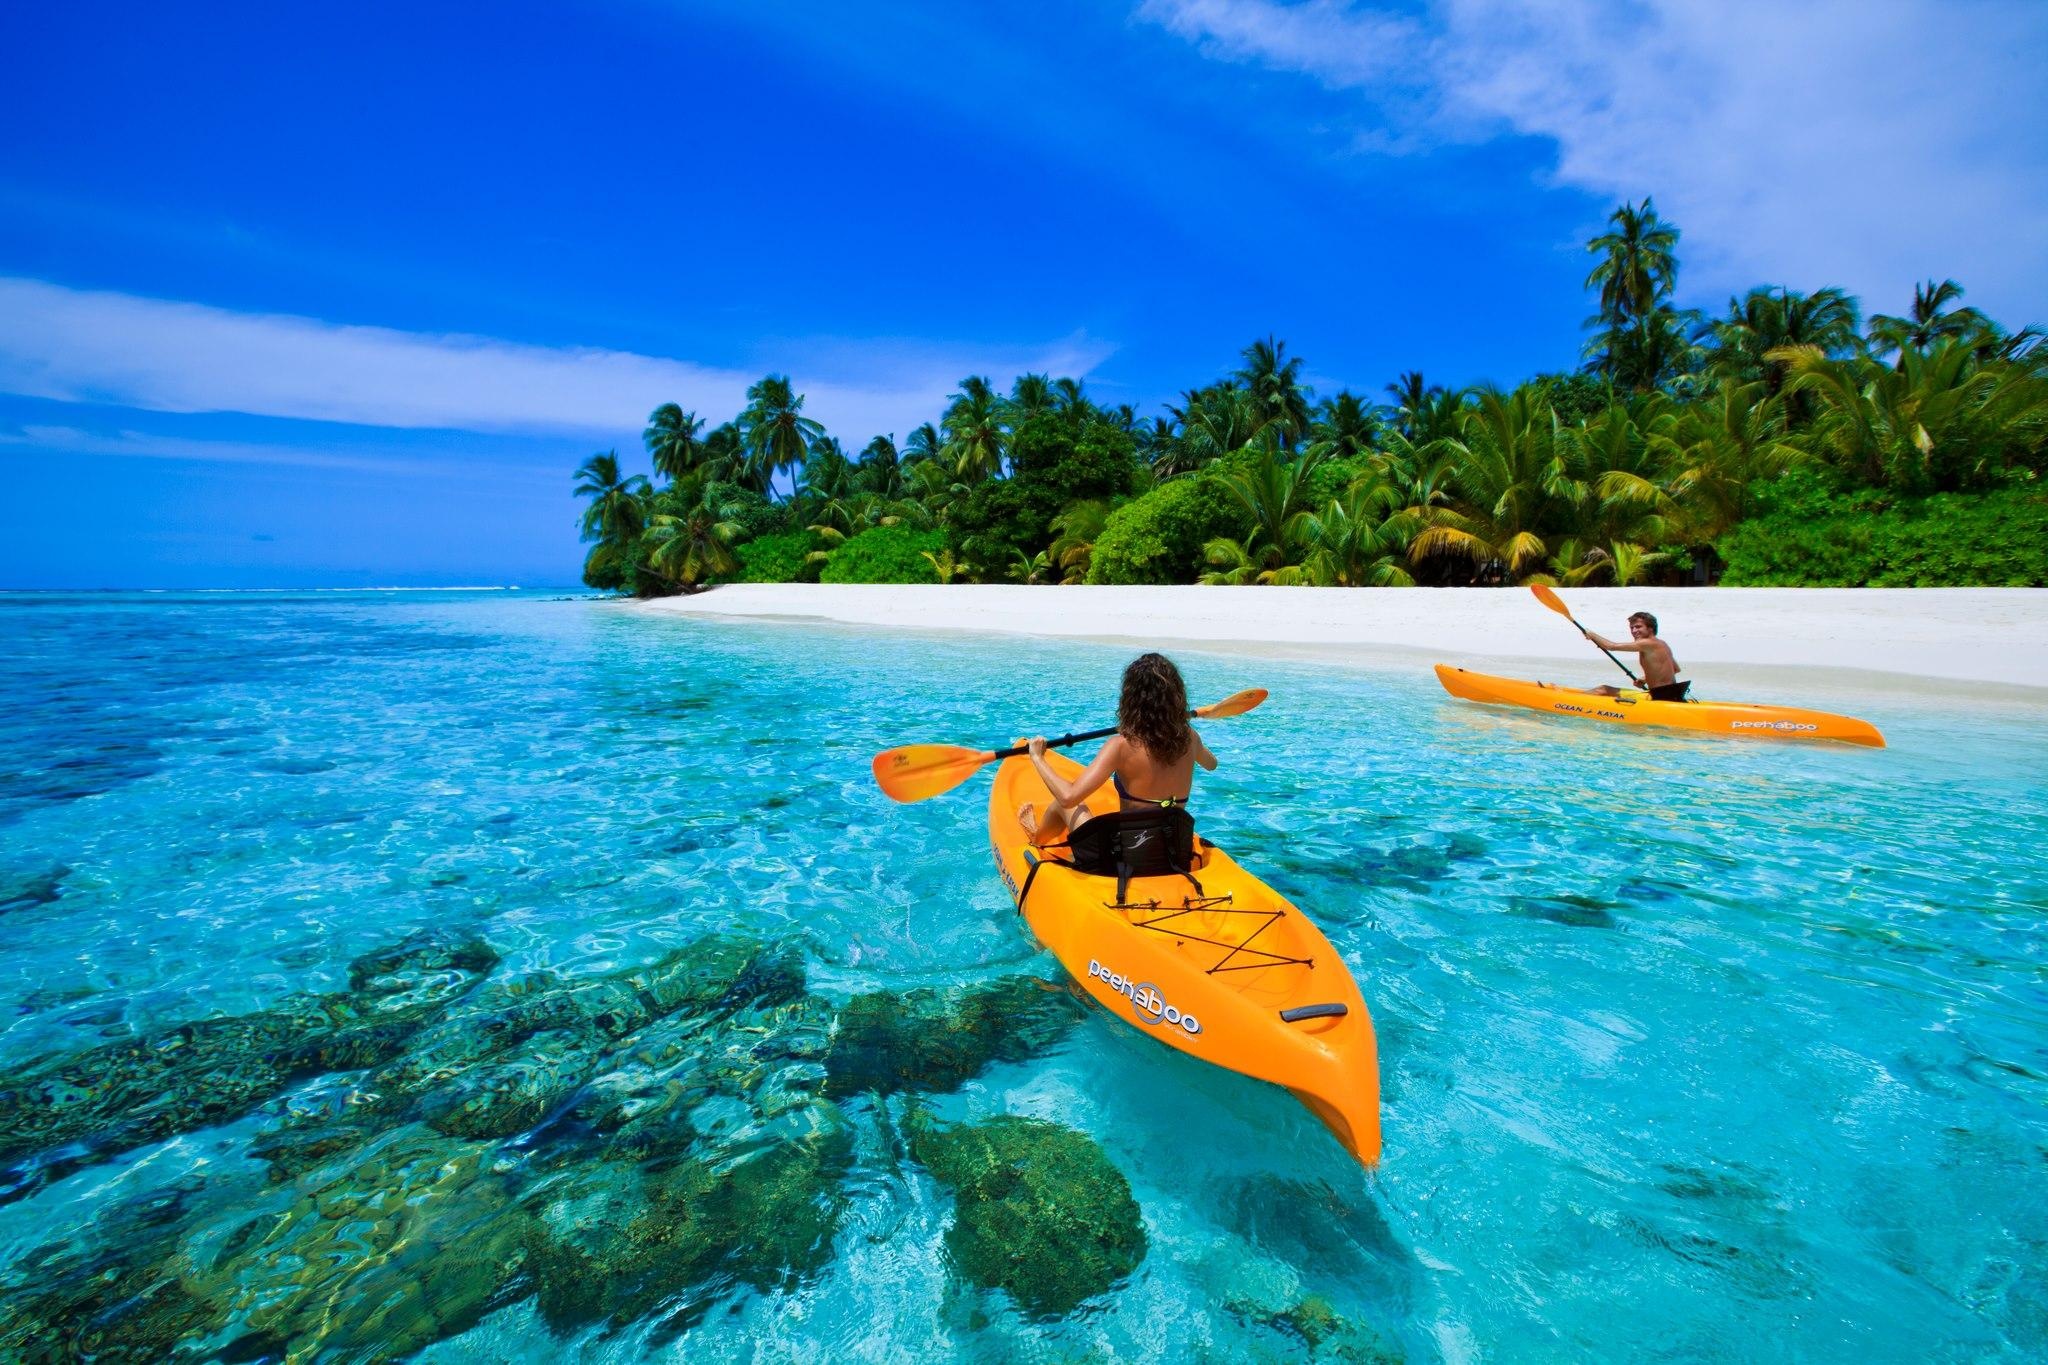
x=1143, y=842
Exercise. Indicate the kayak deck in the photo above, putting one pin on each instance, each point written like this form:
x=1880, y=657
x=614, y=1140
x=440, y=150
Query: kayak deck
x=1743, y=720
x=1220, y=966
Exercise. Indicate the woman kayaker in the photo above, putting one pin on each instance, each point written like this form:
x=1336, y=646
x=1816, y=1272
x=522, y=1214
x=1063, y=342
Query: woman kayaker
x=1150, y=760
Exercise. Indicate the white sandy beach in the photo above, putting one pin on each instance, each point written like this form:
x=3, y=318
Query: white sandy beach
x=1993, y=636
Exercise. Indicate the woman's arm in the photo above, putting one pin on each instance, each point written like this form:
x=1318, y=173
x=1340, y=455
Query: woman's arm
x=1202, y=754
x=1071, y=794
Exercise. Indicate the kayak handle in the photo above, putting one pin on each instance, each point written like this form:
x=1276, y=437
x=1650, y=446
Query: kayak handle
x=1334, y=1010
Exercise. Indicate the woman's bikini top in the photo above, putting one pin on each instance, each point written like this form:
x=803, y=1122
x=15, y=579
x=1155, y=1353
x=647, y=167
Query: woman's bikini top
x=1123, y=794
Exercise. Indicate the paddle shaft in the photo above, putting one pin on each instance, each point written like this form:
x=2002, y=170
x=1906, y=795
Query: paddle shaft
x=1065, y=741
x=1608, y=652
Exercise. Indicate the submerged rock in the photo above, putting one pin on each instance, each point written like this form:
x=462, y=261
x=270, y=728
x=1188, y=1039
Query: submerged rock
x=935, y=1040
x=414, y=1243
x=512, y=1053
x=111, y=1099
x=26, y=890
x=1039, y=1210
x=1327, y=1334
x=614, y=1244
x=109, y=1294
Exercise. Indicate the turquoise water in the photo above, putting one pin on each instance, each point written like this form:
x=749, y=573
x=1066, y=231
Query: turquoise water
x=1691, y=1050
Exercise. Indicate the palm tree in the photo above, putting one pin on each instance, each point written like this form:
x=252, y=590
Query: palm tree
x=1360, y=539
x=974, y=430
x=693, y=536
x=671, y=438
x=1642, y=353
x=777, y=434
x=1274, y=492
x=1504, y=456
x=1768, y=319
x=1930, y=320
x=925, y=443
x=1638, y=265
x=1078, y=526
x=946, y=566
x=1069, y=398
x=1942, y=421
x=1714, y=450
x=616, y=512
x=880, y=471
x=1274, y=382
x=1345, y=427
x=1031, y=396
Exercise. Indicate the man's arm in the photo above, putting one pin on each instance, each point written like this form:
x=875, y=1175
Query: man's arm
x=1626, y=646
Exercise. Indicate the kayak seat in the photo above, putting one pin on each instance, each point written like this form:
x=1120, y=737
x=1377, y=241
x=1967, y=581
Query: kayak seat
x=1143, y=842
x=1335, y=1009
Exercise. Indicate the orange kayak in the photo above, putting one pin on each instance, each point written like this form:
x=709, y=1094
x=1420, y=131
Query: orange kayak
x=1227, y=971
x=1743, y=720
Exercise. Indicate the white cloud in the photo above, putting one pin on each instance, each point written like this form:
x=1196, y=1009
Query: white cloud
x=148, y=446
x=1836, y=142
x=167, y=356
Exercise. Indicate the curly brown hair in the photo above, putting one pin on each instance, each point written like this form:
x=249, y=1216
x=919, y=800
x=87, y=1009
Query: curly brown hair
x=1153, y=711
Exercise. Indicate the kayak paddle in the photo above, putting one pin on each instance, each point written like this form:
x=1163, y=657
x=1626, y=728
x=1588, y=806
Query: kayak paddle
x=1556, y=604
x=917, y=772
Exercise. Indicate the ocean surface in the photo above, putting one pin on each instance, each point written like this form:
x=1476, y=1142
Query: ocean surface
x=1691, y=1049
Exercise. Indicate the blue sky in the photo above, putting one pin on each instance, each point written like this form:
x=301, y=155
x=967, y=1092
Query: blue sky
x=336, y=295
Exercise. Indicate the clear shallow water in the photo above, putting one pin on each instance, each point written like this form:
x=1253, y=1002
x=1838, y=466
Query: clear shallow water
x=1691, y=1050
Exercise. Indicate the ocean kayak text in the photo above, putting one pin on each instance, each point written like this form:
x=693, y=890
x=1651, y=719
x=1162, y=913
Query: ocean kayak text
x=1146, y=1000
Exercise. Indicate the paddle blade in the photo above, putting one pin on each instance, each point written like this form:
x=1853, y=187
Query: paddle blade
x=1236, y=704
x=917, y=772
x=1551, y=600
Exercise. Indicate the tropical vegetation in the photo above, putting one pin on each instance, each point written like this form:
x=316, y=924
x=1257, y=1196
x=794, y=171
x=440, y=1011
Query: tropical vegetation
x=1788, y=440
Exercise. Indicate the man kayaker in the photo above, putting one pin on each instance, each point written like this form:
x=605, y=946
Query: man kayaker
x=1154, y=752
x=1660, y=670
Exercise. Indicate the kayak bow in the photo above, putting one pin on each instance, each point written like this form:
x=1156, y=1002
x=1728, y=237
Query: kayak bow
x=1741, y=720
x=1227, y=971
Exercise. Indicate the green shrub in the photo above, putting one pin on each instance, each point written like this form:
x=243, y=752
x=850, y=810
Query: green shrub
x=1158, y=538
x=886, y=554
x=1812, y=533
x=1055, y=463
x=780, y=558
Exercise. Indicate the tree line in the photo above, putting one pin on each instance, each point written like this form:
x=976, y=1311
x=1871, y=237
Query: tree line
x=1789, y=439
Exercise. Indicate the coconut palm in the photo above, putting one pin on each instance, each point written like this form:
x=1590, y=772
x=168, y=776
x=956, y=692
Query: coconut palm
x=1931, y=319
x=1941, y=421
x=946, y=566
x=1715, y=450
x=1765, y=320
x=1360, y=538
x=1069, y=397
x=1503, y=458
x=692, y=535
x=1345, y=427
x=672, y=441
x=777, y=435
x=1273, y=379
x=1031, y=396
x=880, y=471
x=973, y=427
x=616, y=510
x=1275, y=494
x=1078, y=526
x=1638, y=265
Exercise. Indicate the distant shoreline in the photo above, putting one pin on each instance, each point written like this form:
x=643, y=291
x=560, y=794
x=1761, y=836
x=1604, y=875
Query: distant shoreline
x=1723, y=636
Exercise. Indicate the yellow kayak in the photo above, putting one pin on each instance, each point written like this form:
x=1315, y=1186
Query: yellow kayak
x=1742, y=720
x=1227, y=971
